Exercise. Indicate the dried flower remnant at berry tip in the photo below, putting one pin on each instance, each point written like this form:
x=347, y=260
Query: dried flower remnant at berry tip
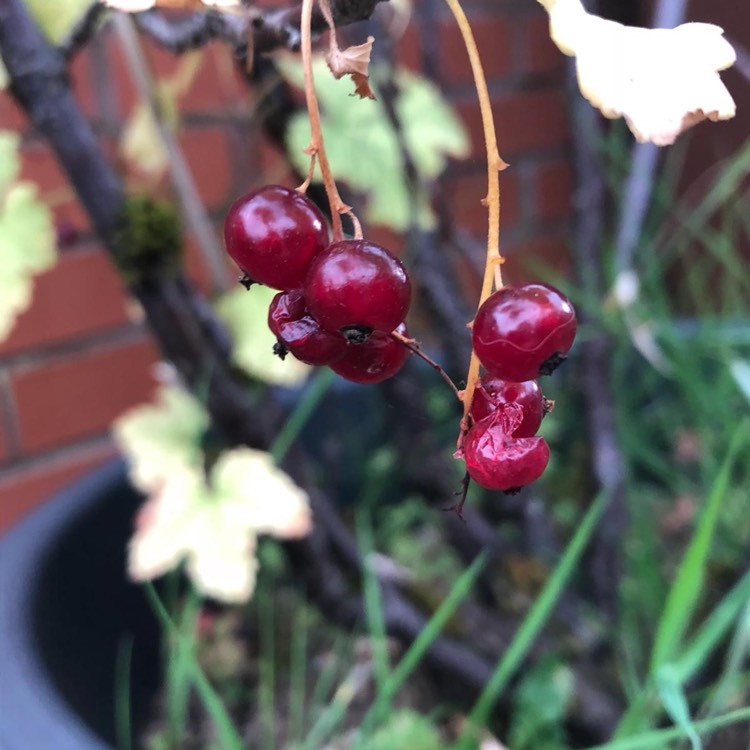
x=662, y=81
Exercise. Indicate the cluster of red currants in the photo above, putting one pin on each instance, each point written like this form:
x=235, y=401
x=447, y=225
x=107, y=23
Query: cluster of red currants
x=339, y=302
x=519, y=333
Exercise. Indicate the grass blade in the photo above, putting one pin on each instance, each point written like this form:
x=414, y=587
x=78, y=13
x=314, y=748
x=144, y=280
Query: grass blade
x=298, y=677
x=713, y=630
x=228, y=737
x=686, y=590
x=658, y=738
x=414, y=654
x=301, y=413
x=373, y=600
x=531, y=625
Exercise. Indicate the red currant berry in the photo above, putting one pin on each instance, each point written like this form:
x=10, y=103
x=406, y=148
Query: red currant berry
x=299, y=333
x=524, y=331
x=273, y=233
x=379, y=358
x=492, y=393
x=498, y=461
x=357, y=287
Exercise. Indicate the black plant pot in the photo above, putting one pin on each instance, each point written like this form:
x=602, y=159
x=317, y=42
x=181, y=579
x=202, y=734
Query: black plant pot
x=66, y=608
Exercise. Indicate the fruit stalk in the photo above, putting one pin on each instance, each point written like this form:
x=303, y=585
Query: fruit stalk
x=492, y=270
x=316, y=149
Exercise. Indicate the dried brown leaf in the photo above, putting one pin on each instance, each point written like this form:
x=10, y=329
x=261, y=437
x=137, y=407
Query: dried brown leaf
x=353, y=61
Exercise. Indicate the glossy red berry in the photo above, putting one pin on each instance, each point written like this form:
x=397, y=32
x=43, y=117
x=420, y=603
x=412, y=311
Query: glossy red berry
x=522, y=332
x=377, y=359
x=273, y=233
x=498, y=461
x=357, y=287
x=492, y=393
x=299, y=333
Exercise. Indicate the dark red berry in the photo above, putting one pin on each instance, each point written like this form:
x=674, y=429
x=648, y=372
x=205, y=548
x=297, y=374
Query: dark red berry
x=492, y=392
x=498, y=461
x=299, y=333
x=522, y=332
x=379, y=358
x=357, y=287
x=273, y=233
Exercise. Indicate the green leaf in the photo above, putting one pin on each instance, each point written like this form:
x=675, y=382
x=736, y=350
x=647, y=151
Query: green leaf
x=27, y=236
x=531, y=625
x=57, y=17
x=363, y=147
x=540, y=706
x=245, y=314
x=407, y=728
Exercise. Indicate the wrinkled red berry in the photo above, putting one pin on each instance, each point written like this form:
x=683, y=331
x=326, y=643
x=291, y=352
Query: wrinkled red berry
x=379, y=358
x=273, y=233
x=492, y=392
x=357, y=287
x=521, y=332
x=496, y=460
x=299, y=333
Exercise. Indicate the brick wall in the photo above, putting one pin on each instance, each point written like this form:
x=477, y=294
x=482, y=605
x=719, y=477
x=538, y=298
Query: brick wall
x=80, y=356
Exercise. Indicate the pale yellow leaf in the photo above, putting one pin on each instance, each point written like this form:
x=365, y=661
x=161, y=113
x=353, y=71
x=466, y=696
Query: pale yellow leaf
x=662, y=81
x=161, y=438
x=58, y=17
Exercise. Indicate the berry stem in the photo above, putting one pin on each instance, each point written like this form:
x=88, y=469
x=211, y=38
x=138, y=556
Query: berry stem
x=415, y=348
x=316, y=149
x=458, y=508
x=492, y=270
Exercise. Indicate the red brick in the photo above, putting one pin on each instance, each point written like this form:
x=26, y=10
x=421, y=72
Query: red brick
x=3, y=444
x=40, y=166
x=554, y=191
x=217, y=85
x=409, y=48
x=539, y=53
x=465, y=193
x=22, y=491
x=527, y=256
x=525, y=121
x=207, y=152
x=386, y=238
x=12, y=116
x=82, y=294
x=80, y=396
x=493, y=36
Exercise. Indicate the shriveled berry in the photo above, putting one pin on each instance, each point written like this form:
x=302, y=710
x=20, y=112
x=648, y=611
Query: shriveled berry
x=356, y=287
x=299, y=333
x=522, y=332
x=273, y=233
x=492, y=392
x=497, y=460
x=379, y=358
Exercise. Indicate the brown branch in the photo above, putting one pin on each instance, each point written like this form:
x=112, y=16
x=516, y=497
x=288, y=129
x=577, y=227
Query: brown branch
x=271, y=30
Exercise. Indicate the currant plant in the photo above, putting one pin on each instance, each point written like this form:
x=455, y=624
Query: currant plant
x=344, y=303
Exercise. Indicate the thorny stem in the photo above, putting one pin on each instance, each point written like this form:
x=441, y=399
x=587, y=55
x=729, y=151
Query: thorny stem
x=316, y=149
x=414, y=348
x=492, y=271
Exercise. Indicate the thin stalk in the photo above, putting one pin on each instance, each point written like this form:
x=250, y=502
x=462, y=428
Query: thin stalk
x=492, y=270
x=416, y=349
x=316, y=149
